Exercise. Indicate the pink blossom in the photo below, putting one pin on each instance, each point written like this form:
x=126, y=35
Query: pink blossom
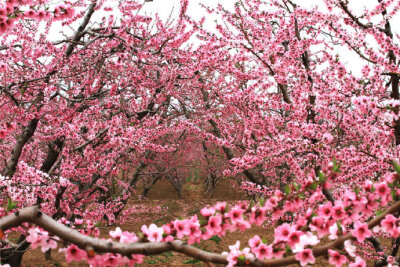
x=335, y=258
x=305, y=257
x=73, y=253
x=214, y=225
x=34, y=237
x=325, y=211
x=235, y=214
x=116, y=234
x=358, y=263
x=382, y=189
x=350, y=249
x=361, y=231
x=255, y=241
x=333, y=231
x=389, y=225
x=263, y=252
x=220, y=206
x=283, y=232
x=153, y=233
x=294, y=238
x=257, y=215
x=195, y=232
x=182, y=228
x=207, y=211
x=338, y=212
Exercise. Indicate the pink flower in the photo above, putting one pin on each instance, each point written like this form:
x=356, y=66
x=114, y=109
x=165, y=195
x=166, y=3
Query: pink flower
x=305, y=240
x=333, y=231
x=338, y=212
x=350, y=249
x=255, y=241
x=220, y=206
x=182, y=228
x=78, y=221
x=305, y=256
x=324, y=211
x=320, y=226
x=47, y=243
x=294, y=238
x=382, y=189
x=263, y=252
x=110, y=259
x=214, y=225
x=207, y=212
x=153, y=233
x=30, y=14
x=361, y=231
x=335, y=258
x=358, y=263
x=34, y=237
x=3, y=132
x=3, y=68
x=283, y=232
x=123, y=237
x=73, y=253
x=195, y=232
x=116, y=234
x=42, y=14
x=389, y=225
x=235, y=214
x=3, y=12
x=257, y=215
x=127, y=237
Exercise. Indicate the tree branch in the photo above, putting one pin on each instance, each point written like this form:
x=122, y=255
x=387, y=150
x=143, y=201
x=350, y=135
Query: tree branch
x=35, y=215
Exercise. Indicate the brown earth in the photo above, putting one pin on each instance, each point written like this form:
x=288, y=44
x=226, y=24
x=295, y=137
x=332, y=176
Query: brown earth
x=164, y=195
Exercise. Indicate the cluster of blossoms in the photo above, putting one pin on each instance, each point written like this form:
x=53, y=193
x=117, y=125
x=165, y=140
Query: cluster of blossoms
x=3, y=67
x=252, y=189
x=74, y=253
x=6, y=129
x=11, y=11
x=366, y=104
x=86, y=227
x=389, y=109
x=40, y=238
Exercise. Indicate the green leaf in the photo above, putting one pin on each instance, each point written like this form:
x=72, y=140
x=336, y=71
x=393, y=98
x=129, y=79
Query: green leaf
x=357, y=190
x=151, y=261
x=396, y=167
x=296, y=186
x=314, y=186
x=216, y=239
x=339, y=226
x=394, y=194
x=241, y=259
x=168, y=254
x=287, y=189
x=261, y=201
x=191, y=261
x=11, y=204
x=379, y=212
x=322, y=177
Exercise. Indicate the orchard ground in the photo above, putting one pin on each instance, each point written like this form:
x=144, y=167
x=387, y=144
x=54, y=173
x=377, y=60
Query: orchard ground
x=163, y=194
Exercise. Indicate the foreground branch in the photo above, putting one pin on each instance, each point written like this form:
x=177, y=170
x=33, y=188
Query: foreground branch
x=35, y=215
